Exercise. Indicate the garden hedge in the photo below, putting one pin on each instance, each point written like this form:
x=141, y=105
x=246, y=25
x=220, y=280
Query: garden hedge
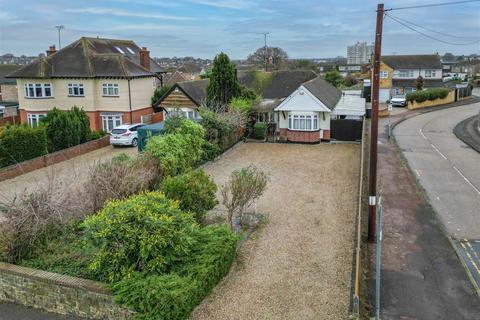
x=259, y=130
x=21, y=143
x=428, y=94
x=66, y=128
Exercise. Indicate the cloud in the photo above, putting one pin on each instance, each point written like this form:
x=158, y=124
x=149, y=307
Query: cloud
x=125, y=13
x=226, y=4
x=9, y=18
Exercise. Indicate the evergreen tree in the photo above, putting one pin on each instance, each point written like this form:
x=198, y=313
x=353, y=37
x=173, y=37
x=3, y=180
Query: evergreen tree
x=223, y=81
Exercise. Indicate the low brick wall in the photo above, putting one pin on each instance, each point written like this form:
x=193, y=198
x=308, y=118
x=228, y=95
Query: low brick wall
x=52, y=158
x=58, y=293
x=431, y=103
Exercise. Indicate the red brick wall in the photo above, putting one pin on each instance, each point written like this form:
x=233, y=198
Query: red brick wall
x=303, y=136
x=326, y=135
x=157, y=117
x=52, y=158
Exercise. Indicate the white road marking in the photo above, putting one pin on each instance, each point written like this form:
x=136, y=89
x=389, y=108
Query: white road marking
x=418, y=172
x=466, y=179
x=421, y=132
x=438, y=151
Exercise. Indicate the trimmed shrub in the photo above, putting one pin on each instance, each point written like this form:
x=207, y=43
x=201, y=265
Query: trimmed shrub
x=195, y=192
x=428, y=94
x=173, y=296
x=241, y=104
x=144, y=233
x=179, y=151
x=21, y=143
x=66, y=128
x=259, y=130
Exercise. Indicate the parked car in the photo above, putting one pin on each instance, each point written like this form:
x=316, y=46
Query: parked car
x=125, y=135
x=399, y=101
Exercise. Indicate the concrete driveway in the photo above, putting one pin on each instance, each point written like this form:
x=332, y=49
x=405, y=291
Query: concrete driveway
x=448, y=169
x=69, y=171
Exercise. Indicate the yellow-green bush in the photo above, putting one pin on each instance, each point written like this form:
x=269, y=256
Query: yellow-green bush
x=428, y=94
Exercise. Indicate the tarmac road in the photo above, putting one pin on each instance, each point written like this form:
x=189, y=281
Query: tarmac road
x=447, y=168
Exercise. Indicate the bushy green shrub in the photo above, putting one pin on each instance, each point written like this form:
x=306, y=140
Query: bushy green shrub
x=428, y=94
x=241, y=104
x=194, y=190
x=173, y=296
x=145, y=233
x=66, y=128
x=20, y=143
x=210, y=151
x=159, y=92
x=259, y=130
x=94, y=135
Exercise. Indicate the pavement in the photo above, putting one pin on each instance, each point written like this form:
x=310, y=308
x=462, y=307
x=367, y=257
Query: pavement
x=421, y=276
x=445, y=166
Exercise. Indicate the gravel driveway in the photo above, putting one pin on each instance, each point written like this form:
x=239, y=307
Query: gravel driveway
x=299, y=265
x=69, y=170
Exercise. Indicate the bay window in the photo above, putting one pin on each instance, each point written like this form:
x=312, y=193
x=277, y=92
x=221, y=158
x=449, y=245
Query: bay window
x=38, y=90
x=110, y=89
x=303, y=122
x=76, y=90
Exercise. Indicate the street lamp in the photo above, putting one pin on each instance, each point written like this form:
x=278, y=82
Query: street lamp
x=59, y=28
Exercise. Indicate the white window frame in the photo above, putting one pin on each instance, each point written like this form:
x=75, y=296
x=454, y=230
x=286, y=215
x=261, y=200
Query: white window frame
x=303, y=122
x=78, y=87
x=430, y=73
x=38, y=90
x=405, y=73
x=383, y=74
x=110, y=90
x=34, y=119
x=116, y=120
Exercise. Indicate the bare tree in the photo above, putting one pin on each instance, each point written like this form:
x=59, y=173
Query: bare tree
x=276, y=58
x=244, y=187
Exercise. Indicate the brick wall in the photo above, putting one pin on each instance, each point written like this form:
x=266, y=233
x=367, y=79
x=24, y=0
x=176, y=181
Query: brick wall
x=303, y=136
x=52, y=158
x=58, y=293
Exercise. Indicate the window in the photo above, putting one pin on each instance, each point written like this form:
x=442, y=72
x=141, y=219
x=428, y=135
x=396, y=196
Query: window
x=383, y=74
x=130, y=50
x=75, y=90
x=430, y=73
x=34, y=119
x=303, y=122
x=264, y=117
x=110, y=121
x=110, y=89
x=38, y=90
x=405, y=74
x=120, y=50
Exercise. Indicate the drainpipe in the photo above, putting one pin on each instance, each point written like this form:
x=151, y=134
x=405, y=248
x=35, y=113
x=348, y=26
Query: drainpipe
x=130, y=101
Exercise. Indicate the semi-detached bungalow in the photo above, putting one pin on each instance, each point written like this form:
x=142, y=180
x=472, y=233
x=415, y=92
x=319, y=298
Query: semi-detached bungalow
x=112, y=80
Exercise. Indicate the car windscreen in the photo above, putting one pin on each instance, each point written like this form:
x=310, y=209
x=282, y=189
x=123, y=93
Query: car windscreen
x=119, y=131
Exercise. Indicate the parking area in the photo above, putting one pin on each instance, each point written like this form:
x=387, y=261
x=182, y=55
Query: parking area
x=298, y=266
x=70, y=171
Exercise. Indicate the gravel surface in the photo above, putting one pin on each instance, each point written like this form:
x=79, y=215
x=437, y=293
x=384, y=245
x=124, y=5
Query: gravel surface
x=299, y=265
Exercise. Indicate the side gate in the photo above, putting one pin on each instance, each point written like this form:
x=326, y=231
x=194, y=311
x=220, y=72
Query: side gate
x=346, y=130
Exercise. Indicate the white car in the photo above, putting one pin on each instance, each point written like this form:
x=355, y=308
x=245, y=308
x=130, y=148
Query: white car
x=398, y=101
x=125, y=135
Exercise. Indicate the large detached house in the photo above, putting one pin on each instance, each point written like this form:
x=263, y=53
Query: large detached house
x=112, y=80
x=399, y=74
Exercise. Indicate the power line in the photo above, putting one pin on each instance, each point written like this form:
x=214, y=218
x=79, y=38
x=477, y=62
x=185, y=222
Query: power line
x=434, y=31
x=427, y=35
x=432, y=5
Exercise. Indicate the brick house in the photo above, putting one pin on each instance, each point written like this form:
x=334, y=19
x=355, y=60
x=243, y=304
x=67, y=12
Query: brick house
x=112, y=80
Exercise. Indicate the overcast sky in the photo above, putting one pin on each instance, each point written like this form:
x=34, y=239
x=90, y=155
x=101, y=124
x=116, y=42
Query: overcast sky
x=202, y=28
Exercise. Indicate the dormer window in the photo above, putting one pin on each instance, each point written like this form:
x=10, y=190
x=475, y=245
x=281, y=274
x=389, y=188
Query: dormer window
x=120, y=50
x=130, y=50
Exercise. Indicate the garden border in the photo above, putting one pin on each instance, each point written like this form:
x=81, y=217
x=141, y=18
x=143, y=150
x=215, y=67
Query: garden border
x=18, y=169
x=58, y=293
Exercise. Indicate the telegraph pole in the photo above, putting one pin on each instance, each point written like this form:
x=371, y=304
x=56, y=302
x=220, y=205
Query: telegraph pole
x=59, y=28
x=265, y=49
x=372, y=199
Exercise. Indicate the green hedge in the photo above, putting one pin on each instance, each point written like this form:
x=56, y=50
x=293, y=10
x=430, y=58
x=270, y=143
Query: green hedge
x=174, y=295
x=428, y=94
x=20, y=143
x=66, y=128
x=259, y=130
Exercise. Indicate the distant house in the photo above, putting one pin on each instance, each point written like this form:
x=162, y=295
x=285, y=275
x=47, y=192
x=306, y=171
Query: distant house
x=190, y=71
x=8, y=86
x=399, y=74
x=171, y=78
x=184, y=97
x=113, y=80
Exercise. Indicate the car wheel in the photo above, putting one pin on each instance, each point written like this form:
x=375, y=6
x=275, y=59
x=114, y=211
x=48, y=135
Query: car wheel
x=134, y=142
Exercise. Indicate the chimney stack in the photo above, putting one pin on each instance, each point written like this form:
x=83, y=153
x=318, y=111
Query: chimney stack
x=51, y=50
x=145, y=58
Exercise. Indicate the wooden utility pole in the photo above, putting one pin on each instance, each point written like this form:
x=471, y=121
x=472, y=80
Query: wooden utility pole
x=372, y=199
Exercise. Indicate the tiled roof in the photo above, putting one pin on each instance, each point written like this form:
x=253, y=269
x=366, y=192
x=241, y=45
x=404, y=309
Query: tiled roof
x=324, y=91
x=6, y=69
x=421, y=61
x=90, y=58
x=196, y=90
